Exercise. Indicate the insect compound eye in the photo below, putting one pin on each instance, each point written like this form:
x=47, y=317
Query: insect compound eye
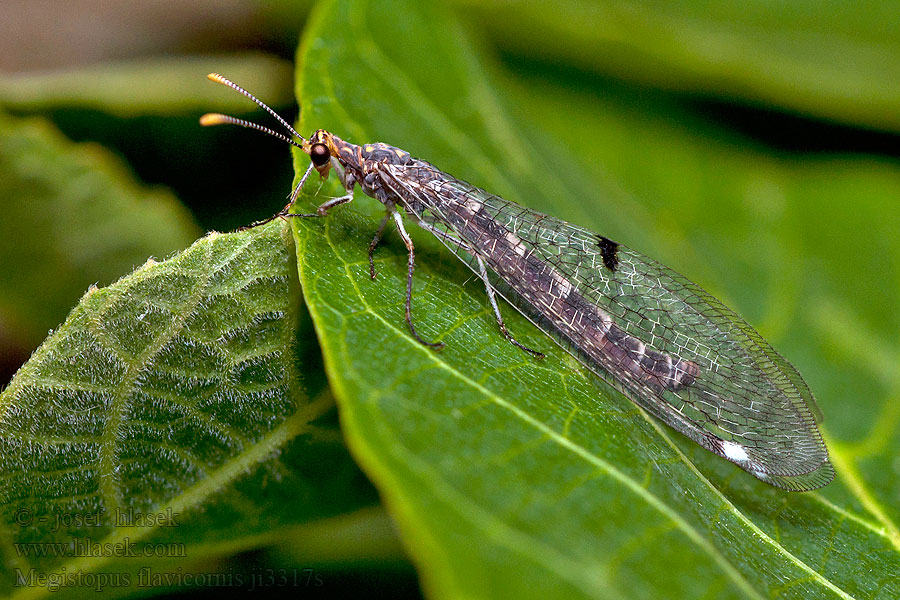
x=319, y=154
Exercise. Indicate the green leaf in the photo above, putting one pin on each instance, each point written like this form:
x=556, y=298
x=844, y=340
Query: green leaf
x=176, y=391
x=159, y=86
x=520, y=478
x=829, y=59
x=72, y=216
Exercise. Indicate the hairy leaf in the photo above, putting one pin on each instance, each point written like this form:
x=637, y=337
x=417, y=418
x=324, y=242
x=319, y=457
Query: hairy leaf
x=175, y=395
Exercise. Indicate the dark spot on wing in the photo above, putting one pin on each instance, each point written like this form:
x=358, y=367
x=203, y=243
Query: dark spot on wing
x=609, y=252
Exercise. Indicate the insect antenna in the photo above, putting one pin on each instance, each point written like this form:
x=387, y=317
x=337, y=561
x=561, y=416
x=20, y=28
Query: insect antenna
x=219, y=119
x=210, y=119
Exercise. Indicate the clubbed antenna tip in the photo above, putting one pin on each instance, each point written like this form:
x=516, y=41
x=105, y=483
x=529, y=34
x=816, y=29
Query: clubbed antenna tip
x=214, y=119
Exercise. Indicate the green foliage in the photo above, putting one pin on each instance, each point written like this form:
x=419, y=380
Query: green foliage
x=829, y=58
x=532, y=478
x=175, y=391
x=71, y=217
x=194, y=385
x=163, y=86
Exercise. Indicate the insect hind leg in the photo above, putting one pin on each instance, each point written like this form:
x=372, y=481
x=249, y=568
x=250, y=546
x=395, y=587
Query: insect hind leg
x=492, y=298
x=482, y=272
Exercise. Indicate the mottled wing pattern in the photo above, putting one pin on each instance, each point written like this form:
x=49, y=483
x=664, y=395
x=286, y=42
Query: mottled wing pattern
x=669, y=345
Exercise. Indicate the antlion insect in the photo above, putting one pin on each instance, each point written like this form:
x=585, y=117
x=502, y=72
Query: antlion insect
x=670, y=346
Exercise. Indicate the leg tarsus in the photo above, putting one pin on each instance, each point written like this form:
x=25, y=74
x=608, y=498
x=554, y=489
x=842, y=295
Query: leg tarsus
x=493, y=300
x=258, y=223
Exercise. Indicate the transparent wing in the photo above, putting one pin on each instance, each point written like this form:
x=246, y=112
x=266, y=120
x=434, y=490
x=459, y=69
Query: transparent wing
x=665, y=342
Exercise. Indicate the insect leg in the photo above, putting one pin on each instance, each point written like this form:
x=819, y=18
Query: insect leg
x=325, y=206
x=284, y=211
x=329, y=204
x=398, y=219
x=493, y=300
x=378, y=234
x=482, y=268
x=296, y=192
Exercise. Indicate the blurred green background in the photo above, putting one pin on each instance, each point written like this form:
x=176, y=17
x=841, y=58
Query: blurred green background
x=752, y=145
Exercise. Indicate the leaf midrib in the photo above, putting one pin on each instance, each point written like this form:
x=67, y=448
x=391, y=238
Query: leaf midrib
x=109, y=485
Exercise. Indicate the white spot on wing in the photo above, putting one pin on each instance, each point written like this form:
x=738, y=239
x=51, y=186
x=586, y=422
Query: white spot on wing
x=734, y=452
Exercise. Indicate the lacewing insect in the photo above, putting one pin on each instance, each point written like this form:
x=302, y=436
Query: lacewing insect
x=666, y=343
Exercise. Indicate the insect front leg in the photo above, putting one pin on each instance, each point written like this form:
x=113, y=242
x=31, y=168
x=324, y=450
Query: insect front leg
x=296, y=191
x=323, y=208
x=285, y=212
x=411, y=265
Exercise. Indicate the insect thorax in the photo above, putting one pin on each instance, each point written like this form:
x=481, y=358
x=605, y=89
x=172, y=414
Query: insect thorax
x=363, y=164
